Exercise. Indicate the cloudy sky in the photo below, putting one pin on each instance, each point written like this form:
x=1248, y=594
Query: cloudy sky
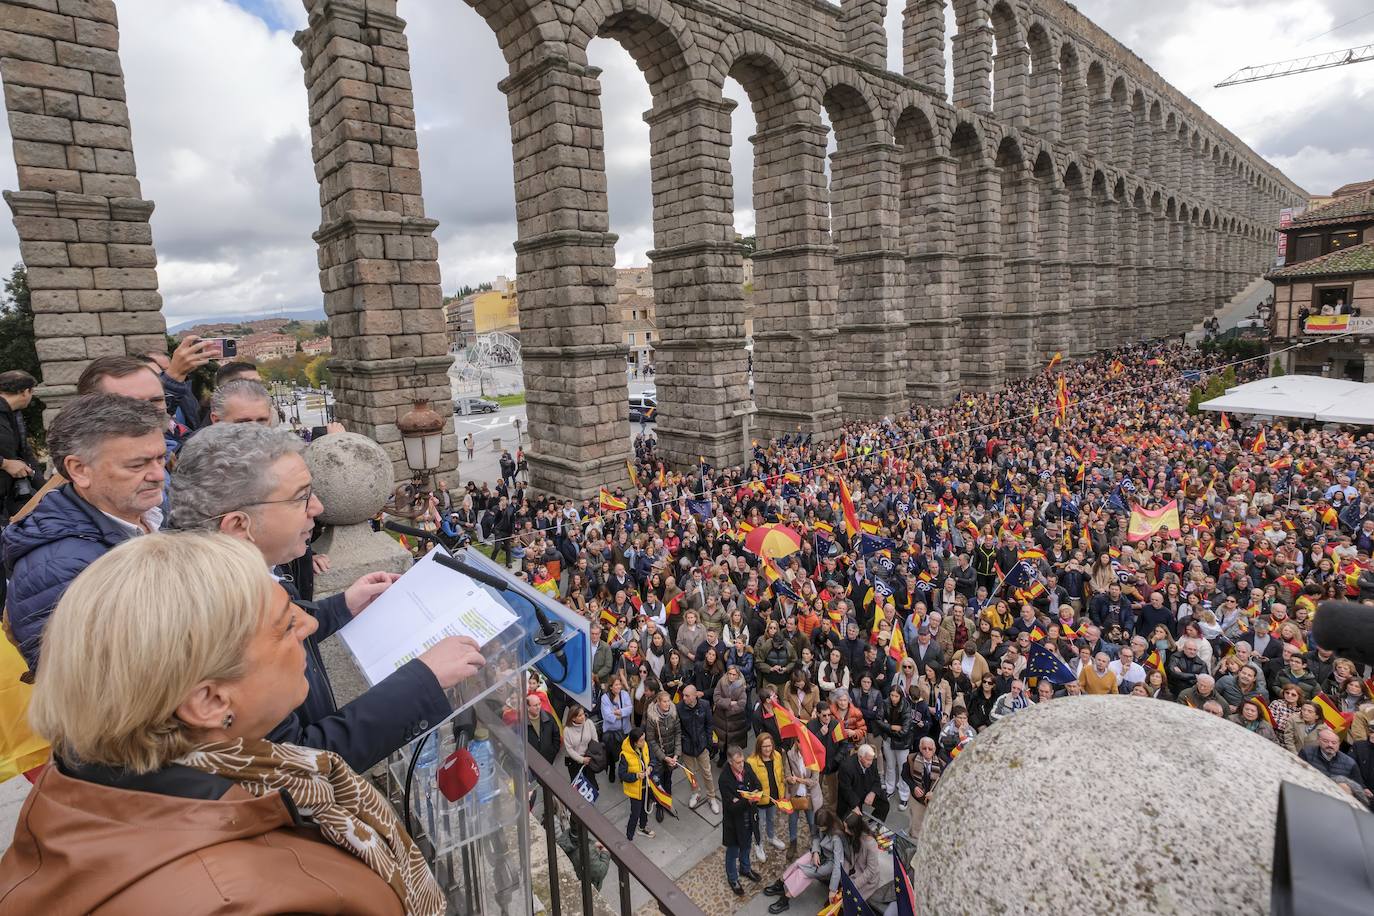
x=219, y=119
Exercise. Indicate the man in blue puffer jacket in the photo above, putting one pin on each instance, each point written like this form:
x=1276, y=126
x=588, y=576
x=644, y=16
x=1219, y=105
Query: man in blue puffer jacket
x=111, y=450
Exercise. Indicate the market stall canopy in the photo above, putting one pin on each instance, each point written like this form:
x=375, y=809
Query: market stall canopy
x=1306, y=397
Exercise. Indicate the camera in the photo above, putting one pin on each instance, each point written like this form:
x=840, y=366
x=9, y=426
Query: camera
x=226, y=347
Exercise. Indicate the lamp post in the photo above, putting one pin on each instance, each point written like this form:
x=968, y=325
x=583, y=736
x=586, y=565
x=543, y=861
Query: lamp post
x=422, y=434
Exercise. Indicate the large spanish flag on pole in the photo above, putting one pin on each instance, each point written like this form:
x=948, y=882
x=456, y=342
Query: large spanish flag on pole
x=610, y=502
x=1146, y=523
x=851, y=518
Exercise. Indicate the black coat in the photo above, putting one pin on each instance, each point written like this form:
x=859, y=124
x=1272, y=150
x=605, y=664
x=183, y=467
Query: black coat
x=695, y=723
x=855, y=783
x=544, y=739
x=408, y=703
x=13, y=444
x=737, y=820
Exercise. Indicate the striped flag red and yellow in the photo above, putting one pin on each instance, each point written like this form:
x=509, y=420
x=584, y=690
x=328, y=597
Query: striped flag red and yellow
x=1331, y=713
x=811, y=749
x=1055, y=360
x=851, y=518
x=1061, y=402
x=1117, y=367
x=610, y=502
x=1146, y=523
x=1259, y=445
x=1225, y=421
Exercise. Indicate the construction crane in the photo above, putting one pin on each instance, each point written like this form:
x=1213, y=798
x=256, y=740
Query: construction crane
x=1299, y=65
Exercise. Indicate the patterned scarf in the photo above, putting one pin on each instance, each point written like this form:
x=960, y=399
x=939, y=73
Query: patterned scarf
x=348, y=810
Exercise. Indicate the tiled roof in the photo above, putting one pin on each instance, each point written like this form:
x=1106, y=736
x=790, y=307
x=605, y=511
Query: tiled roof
x=1352, y=188
x=1340, y=210
x=1357, y=259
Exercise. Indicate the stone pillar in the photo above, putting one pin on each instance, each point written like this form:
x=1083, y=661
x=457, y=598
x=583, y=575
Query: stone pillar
x=1161, y=299
x=932, y=282
x=869, y=264
x=1102, y=129
x=979, y=296
x=1187, y=278
x=1123, y=146
x=1107, y=298
x=794, y=285
x=1020, y=242
x=79, y=211
x=1082, y=254
x=702, y=366
x=571, y=339
x=1127, y=303
x=379, y=266
x=973, y=66
x=1010, y=78
x=1055, y=325
x=865, y=35
x=1045, y=103
x=1075, y=112
x=1159, y=156
x=923, y=43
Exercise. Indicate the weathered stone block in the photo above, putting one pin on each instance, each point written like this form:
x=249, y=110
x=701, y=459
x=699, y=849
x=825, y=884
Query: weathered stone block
x=99, y=10
x=110, y=136
x=26, y=126
x=131, y=323
x=65, y=324
x=27, y=47
x=84, y=57
x=61, y=278
x=125, y=278
x=54, y=300
x=27, y=21
x=100, y=300
x=56, y=348
x=47, y=76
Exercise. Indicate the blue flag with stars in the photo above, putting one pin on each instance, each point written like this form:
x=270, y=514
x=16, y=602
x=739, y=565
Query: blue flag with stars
x=853, y=903
x=1043, y=662
x=870, y=544
x=906, y=895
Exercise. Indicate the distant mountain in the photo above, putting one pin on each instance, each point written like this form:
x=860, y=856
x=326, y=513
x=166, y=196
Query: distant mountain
x=302, y=315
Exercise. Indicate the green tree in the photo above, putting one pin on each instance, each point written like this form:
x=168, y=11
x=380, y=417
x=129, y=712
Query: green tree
x=321, y=329
x=17, y=349
x=317, y=372
x=1277, y=369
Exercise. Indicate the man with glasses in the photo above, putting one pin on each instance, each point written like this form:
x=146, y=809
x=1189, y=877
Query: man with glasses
x=252, y=483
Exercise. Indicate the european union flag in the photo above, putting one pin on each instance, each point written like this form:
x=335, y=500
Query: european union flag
x=852, y=901
x=906, y=895
x=699, y=507
x=870, y=544
x=1043, y=662
x=1019, y=577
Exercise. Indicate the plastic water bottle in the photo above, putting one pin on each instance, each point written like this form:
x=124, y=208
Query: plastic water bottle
x=485, y=758
x=426, y=786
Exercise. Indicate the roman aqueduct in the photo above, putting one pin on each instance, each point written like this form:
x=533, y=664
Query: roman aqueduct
x=1064, y=198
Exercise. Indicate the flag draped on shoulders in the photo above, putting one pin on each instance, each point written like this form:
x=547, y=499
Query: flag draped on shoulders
x=1146, y=523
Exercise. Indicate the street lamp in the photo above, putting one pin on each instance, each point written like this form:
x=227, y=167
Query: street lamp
x=422, y=433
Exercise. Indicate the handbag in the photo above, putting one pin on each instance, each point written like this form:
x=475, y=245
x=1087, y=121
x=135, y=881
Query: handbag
x=596, y=756
x=801, y=803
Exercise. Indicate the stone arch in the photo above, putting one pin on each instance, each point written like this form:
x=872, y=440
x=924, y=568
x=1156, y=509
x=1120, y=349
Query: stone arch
x=923, y=44
x=1107, y=258
x=1073, y=90
x=1044, y=98
x=927, y=223
x=1100, y=118
x=521, y=27
x=914, y=103
x=973, y=55
x=654, y=34
x=775, y=89
x=1137, y=154
x=1121, y=124
x=849, y=102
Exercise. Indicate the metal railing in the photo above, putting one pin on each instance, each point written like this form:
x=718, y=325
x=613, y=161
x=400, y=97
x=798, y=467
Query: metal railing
x=630, y=861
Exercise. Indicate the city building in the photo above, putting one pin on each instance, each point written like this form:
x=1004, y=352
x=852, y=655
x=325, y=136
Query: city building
x=1324, y=287
x=638, y=319
x=483, y=312
x=266, y=346
x=316, y=346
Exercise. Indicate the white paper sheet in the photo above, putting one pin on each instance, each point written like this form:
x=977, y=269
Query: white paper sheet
x=425, y=605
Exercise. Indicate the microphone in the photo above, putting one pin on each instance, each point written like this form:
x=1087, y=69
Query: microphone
x=458, y=774
x=408, y=531
x=1347, y=629
x=550, y=631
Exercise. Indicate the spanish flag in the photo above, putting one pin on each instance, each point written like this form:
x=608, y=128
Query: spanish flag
x=1146, y=523
x=842, y=452
x=634, y=475
x=897, y=648
x=808, y=745
x=1061, y=403
x=1055, y=360
x=754, y=796
x=1117, y=367
x=1331, y=714
x=1327, y=324
x=664, y=799
x=1152, y=660
x=610, y=502
x=783, y=805
x=1225, y=421
x=851, y=518
x=1259, y=445
x=1329, y=517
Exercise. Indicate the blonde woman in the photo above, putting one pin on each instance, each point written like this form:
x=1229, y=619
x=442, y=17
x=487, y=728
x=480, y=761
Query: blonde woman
x=157, y=699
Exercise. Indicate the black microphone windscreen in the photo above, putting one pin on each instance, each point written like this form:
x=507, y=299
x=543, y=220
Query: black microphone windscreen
x=1347, y=629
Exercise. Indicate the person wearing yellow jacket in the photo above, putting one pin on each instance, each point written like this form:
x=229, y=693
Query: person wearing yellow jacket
x=771, y=769
x=633, y=771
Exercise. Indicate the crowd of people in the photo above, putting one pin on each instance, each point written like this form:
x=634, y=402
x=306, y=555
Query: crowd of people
x=894, y=636
x=937, y=552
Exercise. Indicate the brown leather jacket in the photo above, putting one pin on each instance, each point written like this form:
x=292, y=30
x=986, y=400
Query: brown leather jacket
x=178, y=841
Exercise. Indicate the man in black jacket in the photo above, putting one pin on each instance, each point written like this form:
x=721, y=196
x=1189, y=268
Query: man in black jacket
x=1327, y=758
x=695, y=724
x=860, y=785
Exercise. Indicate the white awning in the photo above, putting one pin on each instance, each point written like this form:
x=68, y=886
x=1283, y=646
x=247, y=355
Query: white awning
x=1306, y=397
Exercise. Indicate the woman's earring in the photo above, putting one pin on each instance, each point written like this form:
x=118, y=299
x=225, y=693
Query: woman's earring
x=228, y=720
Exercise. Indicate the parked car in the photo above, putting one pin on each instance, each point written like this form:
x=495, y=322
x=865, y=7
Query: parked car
x=466, y=406
x=643, y=407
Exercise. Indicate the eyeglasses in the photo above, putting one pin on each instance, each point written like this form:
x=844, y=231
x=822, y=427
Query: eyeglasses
x=303, y=499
